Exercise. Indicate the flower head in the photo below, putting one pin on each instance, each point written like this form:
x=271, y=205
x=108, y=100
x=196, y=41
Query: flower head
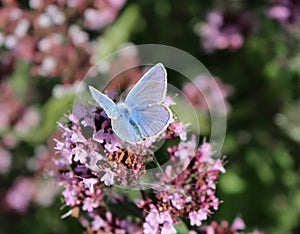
x=222, y=30
x=91, y=159
x=287, y=13
x=53, y=35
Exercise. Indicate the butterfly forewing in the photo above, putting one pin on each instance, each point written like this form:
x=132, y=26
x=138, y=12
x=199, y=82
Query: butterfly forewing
x=150, y=89
x=105, y=102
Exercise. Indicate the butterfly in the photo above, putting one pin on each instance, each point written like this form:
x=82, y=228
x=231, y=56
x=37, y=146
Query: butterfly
x=142, y=114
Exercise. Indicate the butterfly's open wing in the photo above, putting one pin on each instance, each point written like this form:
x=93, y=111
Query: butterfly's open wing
x=152, y=120
x=105, y=102
x=150, y=89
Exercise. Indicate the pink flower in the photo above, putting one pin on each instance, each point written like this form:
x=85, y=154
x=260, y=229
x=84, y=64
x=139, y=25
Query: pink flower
x=236, y=228
x=20, y=194
x=286, y=12
x=100, y=136
x=279, y=12
x=208, y=94
x=80, y=154
x=28, y=34
x=179, y=130
x=108, y=178
x=79, y=112
x=222, y=30
x=98, y=223
x=169, y=101
x=89, y=204
x=168, y=228
x=89, y=183
x=29, y=120
x=218, y=166
x=238, y=224
x=193, y=216
x=148, y=229
x=206, y=150
x=155, y=218
x=70, y=195
x=197, y=217
x=5, y=161
x=89, y=163
x=177, y=200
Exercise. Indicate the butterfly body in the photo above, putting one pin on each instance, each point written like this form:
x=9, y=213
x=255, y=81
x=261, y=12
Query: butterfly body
x=142, y=115
x=124, y=114
x=123, y=110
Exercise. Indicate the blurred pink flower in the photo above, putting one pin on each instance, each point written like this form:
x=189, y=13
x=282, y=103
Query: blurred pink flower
x=20, y=194
x=103, y=13
x=46, y=192
x=52, y=37
x=11, y=108
x=222, y=30
x=29, y=120
x=237, y=227
x=279, y=12
x=238, y=224
x=5, y=160
x=208, y=94
x=287, y=12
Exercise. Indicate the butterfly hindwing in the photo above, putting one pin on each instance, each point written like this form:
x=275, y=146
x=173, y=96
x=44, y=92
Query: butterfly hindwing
x=126, y=130
x=151, y=120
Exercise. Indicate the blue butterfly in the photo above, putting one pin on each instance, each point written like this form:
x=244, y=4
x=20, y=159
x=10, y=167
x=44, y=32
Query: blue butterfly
x=142, y=115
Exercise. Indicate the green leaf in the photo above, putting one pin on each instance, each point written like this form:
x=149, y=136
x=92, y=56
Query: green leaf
x=20, y=79
x=181, y=228
x=231, y=183
x=51, y=112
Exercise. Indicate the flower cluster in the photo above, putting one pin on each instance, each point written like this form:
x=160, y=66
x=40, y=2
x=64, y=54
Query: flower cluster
x=28, y=190
x=208, y=93
x=222, y=31
x=53, y=35
x=90, y=142
x=14, y=113
x=91, y=159
x=191, y=194
x=287, y=12
x=236, y=227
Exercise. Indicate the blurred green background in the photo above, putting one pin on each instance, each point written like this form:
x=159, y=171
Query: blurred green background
x=262, y=143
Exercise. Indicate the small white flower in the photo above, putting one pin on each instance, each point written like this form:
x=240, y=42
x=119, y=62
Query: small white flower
x=108, y=178
x=34, y=4
x=44, y=21
x=22, y=28
x=47, y=66
x=10, y=41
